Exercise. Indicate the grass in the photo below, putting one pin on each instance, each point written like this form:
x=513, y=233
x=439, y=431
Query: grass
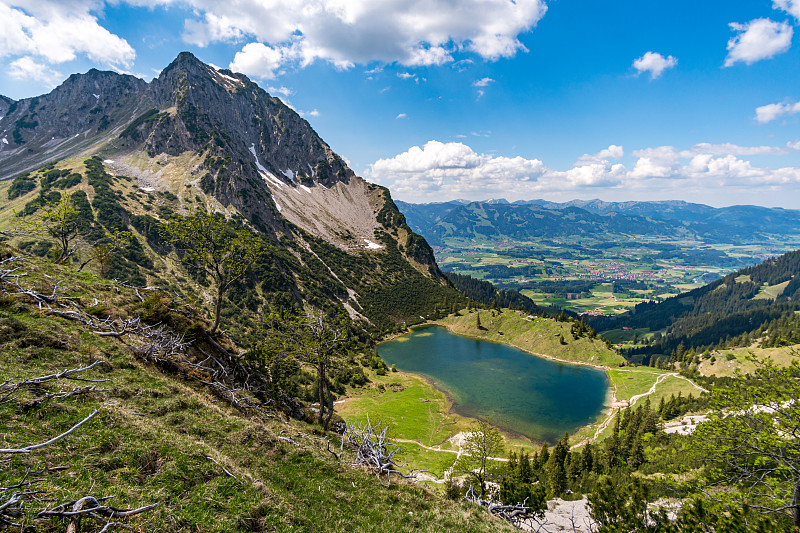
x=413, y=408
x=415, y=411
x=155, y=431
x=770, y=292
x=727, y=362
x=539, y=336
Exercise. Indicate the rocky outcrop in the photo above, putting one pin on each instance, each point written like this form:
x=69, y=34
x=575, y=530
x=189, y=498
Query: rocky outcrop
x=5, y=104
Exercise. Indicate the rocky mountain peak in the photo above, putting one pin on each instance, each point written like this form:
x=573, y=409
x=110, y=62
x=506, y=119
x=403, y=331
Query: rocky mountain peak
x=5, y=104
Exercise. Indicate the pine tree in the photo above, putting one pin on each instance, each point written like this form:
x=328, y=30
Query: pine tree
x=525, y=470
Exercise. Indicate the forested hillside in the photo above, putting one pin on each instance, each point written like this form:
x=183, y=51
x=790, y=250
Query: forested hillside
x=758, y=302
x=487, y=294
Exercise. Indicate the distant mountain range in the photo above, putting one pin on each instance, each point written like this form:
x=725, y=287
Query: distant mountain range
x=536, y=219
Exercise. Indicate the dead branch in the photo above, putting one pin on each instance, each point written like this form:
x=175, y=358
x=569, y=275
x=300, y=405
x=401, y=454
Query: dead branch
x=33, y=447
x=91, y=507
x=222, y=467
x=519, y=514
x=76, y=391
x=8, y=389
x=374, y=452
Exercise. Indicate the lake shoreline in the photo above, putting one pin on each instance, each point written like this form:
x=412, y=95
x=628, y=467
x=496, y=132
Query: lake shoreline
x=543, y=415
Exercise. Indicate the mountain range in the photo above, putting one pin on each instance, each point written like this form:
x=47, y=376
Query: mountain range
x=201, y=138
x=499, y=220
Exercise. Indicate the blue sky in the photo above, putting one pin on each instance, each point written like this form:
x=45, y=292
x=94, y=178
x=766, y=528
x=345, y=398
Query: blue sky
x=443, y=99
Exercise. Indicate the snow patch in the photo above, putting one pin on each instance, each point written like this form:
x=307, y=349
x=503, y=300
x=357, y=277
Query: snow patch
x=147, y=189
x=258, y=164
x=229, y=82
x=278, y=206
x=108, y=161
x=313, y=173
x=304, y=188
x=269, y=177
x=265, y=174
x=96, y=96
x=372, y=246
x=5, y=141
x=289, y=173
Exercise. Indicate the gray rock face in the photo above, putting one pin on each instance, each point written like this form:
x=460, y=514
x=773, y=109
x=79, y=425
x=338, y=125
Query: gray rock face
x=244, y=132
x=81, y=112
x=5, y=103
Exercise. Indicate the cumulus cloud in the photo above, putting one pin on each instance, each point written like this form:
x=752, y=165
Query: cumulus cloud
x=654, y=63
x=483, y=82
x=456, y=167
x=346, y=33
x=400, y=115
x=612, y=152
x=440, y=170
x=285, y=91
x=25, y=68
x=258, y=60
x=51, y=32
x=770, y=112
x=758, y=39
x=790, y=6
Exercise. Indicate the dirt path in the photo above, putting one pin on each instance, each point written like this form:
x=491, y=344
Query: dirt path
x=440, y=449
x=615, y=404
x=659, y=379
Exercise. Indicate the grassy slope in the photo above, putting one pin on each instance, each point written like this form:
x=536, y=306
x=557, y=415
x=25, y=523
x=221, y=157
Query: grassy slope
x=415, y=411
x=540, y=336
x=723, y=366
x=153, y=435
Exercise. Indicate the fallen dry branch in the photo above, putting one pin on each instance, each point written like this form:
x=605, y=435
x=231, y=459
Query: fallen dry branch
x=8, y=389
x=91, y=507
x=34, y=447
x=374, y=452
x=519, y=515
x=222, y=467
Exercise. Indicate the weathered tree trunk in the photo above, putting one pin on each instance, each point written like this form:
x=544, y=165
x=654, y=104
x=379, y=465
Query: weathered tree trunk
x=321, y=392
x=329, y=404
x=796, y=503
x=217, y=310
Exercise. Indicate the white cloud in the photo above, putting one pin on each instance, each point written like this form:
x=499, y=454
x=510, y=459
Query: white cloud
x=404, y=75
x=437, y=171
x=758, y=39
x=400, y=115
x=612, y=152
x=55, y=32
x=770, y=112
x=654, y=63
x=258, y=60
x=312, y=113
x=25, y=68
x=483, y=82
x=790, y=6
x=456, y=168
x=350, y=32
x=285, y=91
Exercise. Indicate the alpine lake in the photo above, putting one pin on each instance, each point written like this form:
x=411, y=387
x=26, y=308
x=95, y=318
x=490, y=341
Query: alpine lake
x=521, y=393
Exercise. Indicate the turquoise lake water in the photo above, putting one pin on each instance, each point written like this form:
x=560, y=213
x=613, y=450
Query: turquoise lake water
x=516, y=391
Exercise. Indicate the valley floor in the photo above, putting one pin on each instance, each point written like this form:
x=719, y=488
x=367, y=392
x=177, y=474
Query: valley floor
x=421, y=417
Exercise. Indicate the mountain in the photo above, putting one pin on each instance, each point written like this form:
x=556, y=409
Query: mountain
x=499, y=221
x=756, y=303
x=536, y=219
x=5, y=104
x=197, y=137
